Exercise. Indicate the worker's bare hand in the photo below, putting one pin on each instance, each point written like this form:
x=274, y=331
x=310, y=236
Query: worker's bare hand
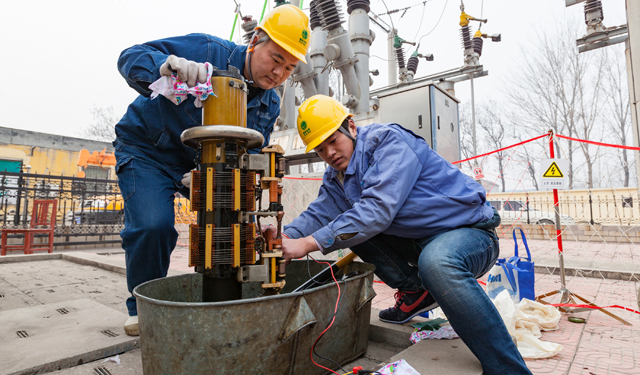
x=296, y=249
x=188, y=71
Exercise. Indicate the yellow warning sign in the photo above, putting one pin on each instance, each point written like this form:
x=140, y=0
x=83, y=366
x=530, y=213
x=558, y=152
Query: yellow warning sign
x=553, y=171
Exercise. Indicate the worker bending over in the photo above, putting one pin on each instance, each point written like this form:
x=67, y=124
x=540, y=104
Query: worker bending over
x=425, y=225
x=152, y=163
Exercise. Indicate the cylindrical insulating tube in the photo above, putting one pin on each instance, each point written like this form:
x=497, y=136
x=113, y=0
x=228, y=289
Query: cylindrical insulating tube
x=229, y=105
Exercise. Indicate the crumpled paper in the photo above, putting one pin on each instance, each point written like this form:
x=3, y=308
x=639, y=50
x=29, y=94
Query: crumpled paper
x=115, y=359
x=445, y=332
x=400, y=367
x=177, y=91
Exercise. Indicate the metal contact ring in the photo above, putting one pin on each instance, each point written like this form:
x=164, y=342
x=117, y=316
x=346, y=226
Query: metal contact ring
x=193, y=136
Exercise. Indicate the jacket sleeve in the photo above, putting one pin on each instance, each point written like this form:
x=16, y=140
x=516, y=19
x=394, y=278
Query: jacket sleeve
x=392, y=173
x=140, y=64
x=320, y=212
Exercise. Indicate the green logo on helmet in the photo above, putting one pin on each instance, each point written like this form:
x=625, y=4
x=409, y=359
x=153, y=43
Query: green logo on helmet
x=305, y=34
x=303, y=125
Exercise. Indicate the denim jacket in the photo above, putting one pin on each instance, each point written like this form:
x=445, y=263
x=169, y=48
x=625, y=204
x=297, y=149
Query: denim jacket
x=394, y=184
x=154, y=126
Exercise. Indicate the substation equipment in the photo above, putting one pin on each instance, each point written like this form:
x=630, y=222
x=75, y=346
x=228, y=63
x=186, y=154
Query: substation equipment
x=237, y=313
x=226, y=245
x=426, y=105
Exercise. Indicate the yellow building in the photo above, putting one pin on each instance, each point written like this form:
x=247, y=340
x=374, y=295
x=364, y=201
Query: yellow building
x=42, y=153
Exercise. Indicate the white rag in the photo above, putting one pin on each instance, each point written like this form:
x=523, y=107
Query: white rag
x=524, y=321
x=177, y=91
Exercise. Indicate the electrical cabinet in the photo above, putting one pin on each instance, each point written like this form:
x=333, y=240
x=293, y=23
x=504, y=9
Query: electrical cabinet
x=426, y=110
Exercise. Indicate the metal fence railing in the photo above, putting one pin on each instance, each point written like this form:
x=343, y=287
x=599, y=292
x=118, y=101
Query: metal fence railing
x=89, y=212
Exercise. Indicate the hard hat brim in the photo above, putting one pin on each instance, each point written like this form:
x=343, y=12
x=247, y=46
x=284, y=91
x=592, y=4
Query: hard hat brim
x=313, y=144
x=316, y=142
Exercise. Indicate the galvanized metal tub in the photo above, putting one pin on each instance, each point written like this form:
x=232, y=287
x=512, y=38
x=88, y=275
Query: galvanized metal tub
x=267, y=335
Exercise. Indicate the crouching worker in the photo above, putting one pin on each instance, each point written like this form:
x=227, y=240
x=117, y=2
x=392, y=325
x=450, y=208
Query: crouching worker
x=426, y=226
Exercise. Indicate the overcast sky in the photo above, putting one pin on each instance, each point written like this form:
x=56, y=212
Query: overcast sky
x=59, y=57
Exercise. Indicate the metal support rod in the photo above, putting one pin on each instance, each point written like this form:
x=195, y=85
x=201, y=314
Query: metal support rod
x=473, y=120
x=632, y=52
x=566, y=295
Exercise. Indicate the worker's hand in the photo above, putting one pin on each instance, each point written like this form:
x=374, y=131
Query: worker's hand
x=188, y=71
x=296, y=249
x=186, y=179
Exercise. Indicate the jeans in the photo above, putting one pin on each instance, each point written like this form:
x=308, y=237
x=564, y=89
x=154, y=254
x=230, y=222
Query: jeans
x=448, y=264
x=149, y=235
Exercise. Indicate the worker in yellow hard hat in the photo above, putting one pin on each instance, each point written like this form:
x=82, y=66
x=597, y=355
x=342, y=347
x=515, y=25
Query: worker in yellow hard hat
x=152, y=163
x=425, y=225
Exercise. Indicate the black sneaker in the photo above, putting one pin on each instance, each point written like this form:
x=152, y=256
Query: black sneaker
x=408, y=305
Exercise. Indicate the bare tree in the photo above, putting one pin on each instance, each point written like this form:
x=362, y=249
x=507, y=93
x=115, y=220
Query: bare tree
x=556, y=87
x=490, y=120
x=103, y=126
x=617, y=117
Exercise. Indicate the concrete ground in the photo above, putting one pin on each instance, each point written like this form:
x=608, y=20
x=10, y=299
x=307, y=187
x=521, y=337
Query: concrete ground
x=601, y=346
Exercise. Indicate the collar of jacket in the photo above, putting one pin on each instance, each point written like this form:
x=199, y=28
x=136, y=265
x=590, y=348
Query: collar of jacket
x=237, y=58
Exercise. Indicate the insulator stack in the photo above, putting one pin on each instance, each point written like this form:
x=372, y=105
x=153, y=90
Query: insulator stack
x=357, y=4
x=248, y=24
x=477, y=45
x=465, y=34
x=400, y=57
x=314, y=17
x=412, y=64
x=330, y=14
x=593, y=12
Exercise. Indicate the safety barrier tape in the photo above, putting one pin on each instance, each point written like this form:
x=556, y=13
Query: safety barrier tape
x=599, y=143
x=593, y=307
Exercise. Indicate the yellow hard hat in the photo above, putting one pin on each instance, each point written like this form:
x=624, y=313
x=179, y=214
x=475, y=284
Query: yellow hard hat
x=288, y=26
x=318, y=118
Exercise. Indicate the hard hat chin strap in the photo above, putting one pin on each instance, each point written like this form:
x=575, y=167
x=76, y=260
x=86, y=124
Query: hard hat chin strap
x=250, y=53
x=346, y=132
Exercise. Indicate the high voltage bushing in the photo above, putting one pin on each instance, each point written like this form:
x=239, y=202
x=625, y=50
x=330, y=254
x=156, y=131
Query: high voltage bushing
x=465, y=34
x=357, y=4
x=400, y=57
x=330, y=14
x=314, y=17
x=412, y=64
x=248, y=24
x=477, y=45
x=593, y=12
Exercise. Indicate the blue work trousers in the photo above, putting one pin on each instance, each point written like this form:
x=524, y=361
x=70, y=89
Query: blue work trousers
x=149, y=235
x=448, y=264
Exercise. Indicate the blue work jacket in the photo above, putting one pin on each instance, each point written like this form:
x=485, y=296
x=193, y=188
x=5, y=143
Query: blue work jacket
x=394, y=184
x=154, y=126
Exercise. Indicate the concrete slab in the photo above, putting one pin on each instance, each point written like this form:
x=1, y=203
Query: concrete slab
x=442, y=357
x=395, y=335
x=57, y=280
x=60, y=335
x=130, y=364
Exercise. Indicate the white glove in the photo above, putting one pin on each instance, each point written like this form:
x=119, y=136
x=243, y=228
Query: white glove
x=186, y=179
x=188, y=71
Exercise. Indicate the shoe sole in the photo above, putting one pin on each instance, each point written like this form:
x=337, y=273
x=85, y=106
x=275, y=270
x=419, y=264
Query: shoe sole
x=428, y=308
x=132, y=331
